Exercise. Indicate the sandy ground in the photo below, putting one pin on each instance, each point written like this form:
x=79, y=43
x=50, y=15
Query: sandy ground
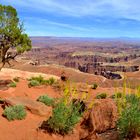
x=27, y=129
x=24, y=129
x=7, y=72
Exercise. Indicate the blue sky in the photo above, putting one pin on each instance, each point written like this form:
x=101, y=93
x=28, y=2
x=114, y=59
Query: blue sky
x=79, y=18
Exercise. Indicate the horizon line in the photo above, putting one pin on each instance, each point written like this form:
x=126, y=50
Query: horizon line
x=85, y=37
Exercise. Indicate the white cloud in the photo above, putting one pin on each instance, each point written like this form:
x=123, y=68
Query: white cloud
x=46, y=23
x=114, y=10
x=79, y=8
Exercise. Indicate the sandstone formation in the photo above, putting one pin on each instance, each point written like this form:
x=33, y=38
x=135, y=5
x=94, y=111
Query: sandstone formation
x=99, y=120
x=4, y=84
x=104, y=70
x=103, y=115
x=98, y=64
x=33, y=106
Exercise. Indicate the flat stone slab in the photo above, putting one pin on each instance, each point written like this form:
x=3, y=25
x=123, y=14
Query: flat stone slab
x=4, y=84
x=35, y=107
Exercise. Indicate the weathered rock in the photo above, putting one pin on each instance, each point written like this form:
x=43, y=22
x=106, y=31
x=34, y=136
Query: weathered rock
x=101, y=118
x=72, y=136
x=103, y=115
x=64, y=77
x=4, y=84
x=34, y=106
x=100, y=65
x=109, y=135
x=84, y=134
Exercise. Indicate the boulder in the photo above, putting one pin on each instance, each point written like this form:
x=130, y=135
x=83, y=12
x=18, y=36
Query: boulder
x=34, y=106
x=98, y=120
x=4, y=84
x=103, y=115
x=109, y=135
x=64, y=77
x=85, y=135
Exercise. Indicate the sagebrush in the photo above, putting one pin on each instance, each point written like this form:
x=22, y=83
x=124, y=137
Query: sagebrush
x=12, y=84
x=16, y=112
x=94, y=86
x=46, y=100
x=63, y=119
x=129, y=121
x=39, y=80
x=101, y=96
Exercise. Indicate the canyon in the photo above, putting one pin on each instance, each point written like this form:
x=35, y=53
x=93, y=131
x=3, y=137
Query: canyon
x=89, y=56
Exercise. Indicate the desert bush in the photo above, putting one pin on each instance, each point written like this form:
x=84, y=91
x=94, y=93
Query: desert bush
x=132, y=99
x=12, y=84
x=138, y=91
x=63, y=119
x=46, y=100
x=101, y=96
x=16, y=112
x=66, y=113
x=39, y=80
x=51, y=81
x=117, y=95
x=33, y=83
x=129, y=121
x=94, y=86
x=16, y=79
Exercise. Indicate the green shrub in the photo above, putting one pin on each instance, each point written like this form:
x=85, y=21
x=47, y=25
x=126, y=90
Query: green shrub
x=63, y=119
x=138, y=91
x=16, y=79
x=39, y=78
x=132, y=99
x=16, y=112
x=129, y=121
x=51, y=81
x=12, y=84
x=36, y=81
x=94, y=86
x=117, y=95
x=33, y=83
x=101, y=96
x=46, y=100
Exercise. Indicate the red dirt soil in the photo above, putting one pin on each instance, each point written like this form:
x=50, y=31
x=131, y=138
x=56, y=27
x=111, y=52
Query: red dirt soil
x=24, y=129
x=27, y=129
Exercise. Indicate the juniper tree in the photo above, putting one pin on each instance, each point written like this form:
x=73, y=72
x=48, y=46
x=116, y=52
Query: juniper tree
x=12, y=35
